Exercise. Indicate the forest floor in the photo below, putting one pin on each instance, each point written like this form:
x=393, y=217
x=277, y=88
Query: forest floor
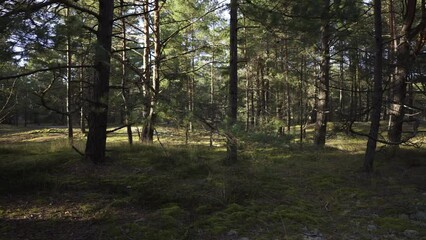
x=279, y=189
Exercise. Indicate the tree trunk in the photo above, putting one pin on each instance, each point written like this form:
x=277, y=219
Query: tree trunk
x=392, y=55
x=98, y=110
x=124, y=87
x=212, y=97
x=405, y=56
x=323, y=84
x=233, y=65
x=82, y=109
x=233, y=84
x=399, y=91
x=258, y=92
x=147, y=130
x=377, y=97
x=69, y=90
x=301, y=95
x=341, y=84
x=287, y=82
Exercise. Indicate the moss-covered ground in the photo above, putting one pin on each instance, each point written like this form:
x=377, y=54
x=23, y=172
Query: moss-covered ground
x=279, y=189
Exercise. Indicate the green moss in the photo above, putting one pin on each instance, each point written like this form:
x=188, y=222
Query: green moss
x=149, y=192
x=393, y=223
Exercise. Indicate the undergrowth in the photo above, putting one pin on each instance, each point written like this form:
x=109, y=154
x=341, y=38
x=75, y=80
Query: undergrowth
x=277, y=190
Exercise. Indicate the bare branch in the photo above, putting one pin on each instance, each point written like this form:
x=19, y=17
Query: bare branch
x=43, y=70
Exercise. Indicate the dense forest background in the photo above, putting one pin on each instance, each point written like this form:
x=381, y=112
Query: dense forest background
x=300, y=75
x=118, y=63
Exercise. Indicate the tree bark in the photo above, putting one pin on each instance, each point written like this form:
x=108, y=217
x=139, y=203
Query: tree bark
x=288, y=87
x=124, y=87
x=233, y=65
x=69, y=90
x=323, y=84
x=98, y=110
x=405, y=56
x=301, y=95
x=231, y=142
x=147, y=130
x=377, y=97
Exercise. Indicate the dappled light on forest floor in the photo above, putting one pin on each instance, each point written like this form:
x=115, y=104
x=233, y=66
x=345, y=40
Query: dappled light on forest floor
x=279, y=189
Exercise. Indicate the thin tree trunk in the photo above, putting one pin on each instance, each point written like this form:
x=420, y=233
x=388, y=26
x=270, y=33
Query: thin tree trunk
x=82, y=110
x=252, y=105
x=301, y=112
x=341, y=84
x=288, y=86
x=258, y=93
x=377, y=97
x=124, y=87
x=212, y=97
x=233, y=78
x=147, y=130
x=69, y=79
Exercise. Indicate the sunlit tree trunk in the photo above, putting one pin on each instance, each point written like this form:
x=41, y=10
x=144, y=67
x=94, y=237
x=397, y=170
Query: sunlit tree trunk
x=147, y=130
x=69, y=80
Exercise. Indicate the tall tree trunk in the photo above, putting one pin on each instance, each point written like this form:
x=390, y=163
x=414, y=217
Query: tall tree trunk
x=392, y=55
x=280, y=92
x=288, y=86
x=262, y=91
x=233, y=65
x=155, y=88
x=212, y=97
x=147, y=130
x=323, y=84
x=69, y=80
x=247, y=127
x=82, y=109
x=124, y=87
x=399, y=91
x=252, y=105
x=341, y=83
x=301, y=96
x=231, y=141
x=98, y=110
x=377, y=97
x=258, y=92
x=405, y=56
